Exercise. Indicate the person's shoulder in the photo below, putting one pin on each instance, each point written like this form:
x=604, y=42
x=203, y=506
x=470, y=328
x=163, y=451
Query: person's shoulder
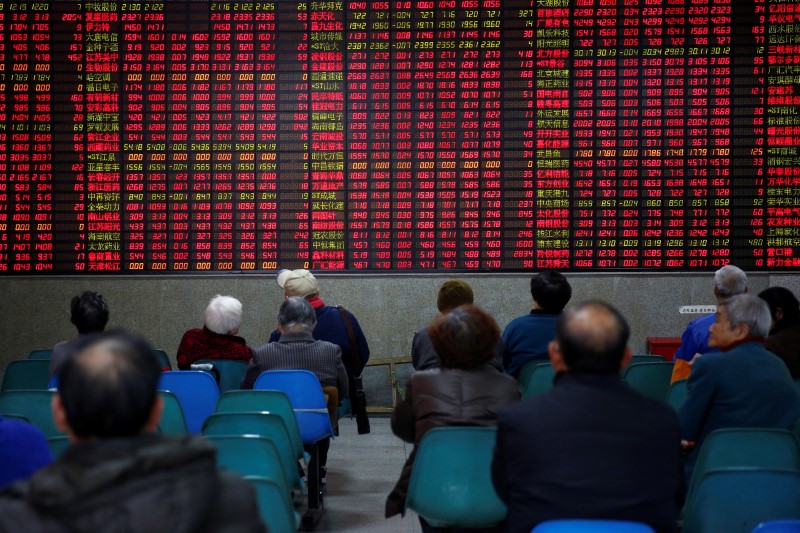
x=327, y=346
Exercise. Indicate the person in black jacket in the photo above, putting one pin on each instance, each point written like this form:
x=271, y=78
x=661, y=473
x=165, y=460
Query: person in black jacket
x=591, y=447
x=118, y=475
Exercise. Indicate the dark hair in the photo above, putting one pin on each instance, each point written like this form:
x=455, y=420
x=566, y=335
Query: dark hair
x=551, y=290
x=592, y=337
x=781, y=298
x=465, y=337
x=89, y=312
x=108, y=388
x=453, y=293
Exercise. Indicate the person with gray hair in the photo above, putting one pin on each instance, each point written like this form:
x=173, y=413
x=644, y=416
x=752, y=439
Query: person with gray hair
x=217, y=339
x=296, y=349
x=728, y=281
x=743, y=385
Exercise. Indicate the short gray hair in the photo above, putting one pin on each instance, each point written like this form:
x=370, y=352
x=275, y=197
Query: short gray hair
x=751, y=310
x=729, y=281
x=295, y=312
x=223, y=314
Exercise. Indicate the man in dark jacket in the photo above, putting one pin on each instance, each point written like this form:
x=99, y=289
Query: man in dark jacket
x=118, y=475
x=591, y=447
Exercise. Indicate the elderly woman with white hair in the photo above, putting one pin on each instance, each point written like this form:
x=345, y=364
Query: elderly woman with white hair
x=742, y=385
x=217, y=339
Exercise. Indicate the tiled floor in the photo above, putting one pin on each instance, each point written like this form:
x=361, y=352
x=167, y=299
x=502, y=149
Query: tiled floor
x=362, y=469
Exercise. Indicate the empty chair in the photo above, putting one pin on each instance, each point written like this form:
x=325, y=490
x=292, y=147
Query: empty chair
x=26, y=374
x=677, y=394
x=647, y=358
x=43, y=353
x=32, y=404
x=649, y=379
x=58, y=444
x=737, y=500
x=263, y=425
x=12, y=416
x=172, y=421
x=197, y=392
x=249, y=455
x=274, y=505
x=231, y=372
x=591, y=526
x=535, y=377
x=778, y=526
x=163, y=359
x=745, y=447
x=451, y=482
x=256, y=401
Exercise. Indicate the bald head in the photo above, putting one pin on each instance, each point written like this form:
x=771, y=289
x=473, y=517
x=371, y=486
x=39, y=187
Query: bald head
x=592, y=337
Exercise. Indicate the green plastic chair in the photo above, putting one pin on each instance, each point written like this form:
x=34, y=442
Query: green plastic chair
x=231, y=372
x=26, y=374
x=274, y=505
x=44, y=353
x=32, y=404
x=736, y=500
x=257, y=401
x=266, y=425
x=163, y=359
x=58, y=445
x=647, y=358
x=535, y=378
x=248, y=455
x=172, y=420
x=649, y=379
x=677, y=394
x=745, y=448
x=451, y=483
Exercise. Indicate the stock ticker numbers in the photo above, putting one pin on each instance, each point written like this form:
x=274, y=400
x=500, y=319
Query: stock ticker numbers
x=399, y=135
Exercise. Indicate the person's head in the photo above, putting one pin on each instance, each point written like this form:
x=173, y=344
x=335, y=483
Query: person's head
x=453, y=293
x=466, y=337
x=591, y=337
x=783, y=306
x=550, y=290
x=298, y=282
x=89, y=312
x=108, y=388
x=296, y=315
x=729, y=281
x=223, y=315
x=739, y=317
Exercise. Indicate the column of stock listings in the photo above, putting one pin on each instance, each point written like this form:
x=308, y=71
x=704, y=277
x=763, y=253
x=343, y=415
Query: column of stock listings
x=377, y=135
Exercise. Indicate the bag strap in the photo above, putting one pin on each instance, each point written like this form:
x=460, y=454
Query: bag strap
x=355, y=351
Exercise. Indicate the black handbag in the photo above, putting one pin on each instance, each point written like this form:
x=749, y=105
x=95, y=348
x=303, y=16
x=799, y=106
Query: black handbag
x=358, y=400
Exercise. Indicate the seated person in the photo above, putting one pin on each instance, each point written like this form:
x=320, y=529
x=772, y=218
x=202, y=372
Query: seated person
x=117, y=474
x=784, y=335
x=743, y=385
x=452, y=294
x=89, y=313
x=217, y=338
x=591, y=447
x=526, y=338
x=23, y=450
x=296, y=349
x=464, y=391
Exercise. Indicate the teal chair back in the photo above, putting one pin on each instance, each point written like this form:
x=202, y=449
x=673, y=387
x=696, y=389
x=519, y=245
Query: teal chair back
x=172, y=420
x=451, y=482
x=26, y=374
x=745, y=448
x=535, y=378
x=256, y=401
x=274, y=505
x=677, y=394
x=647, y=358
x=197, y=392
x=58, y=445
x=592, y=526
x=32, y=404
x=248, y=455
x=737, y=500
x=13, y=416
x=163, y=359
x=308, y=402
x=649, y=379
x=263, y=425
x=43, y=353
x=231, y=372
